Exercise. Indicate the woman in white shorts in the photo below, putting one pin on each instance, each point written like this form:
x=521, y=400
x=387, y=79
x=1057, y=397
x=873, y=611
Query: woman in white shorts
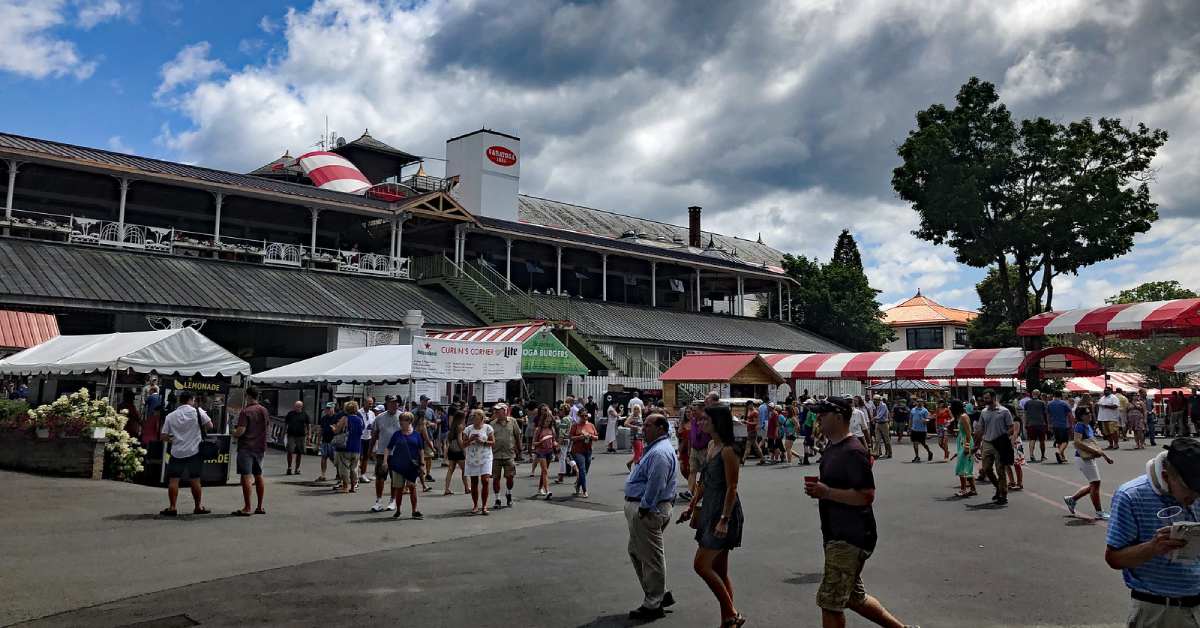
x=477, y=442
x=1087, y=451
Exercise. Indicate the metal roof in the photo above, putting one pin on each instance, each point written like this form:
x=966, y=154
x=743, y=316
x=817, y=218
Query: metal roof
x=65, y=277
x=560, y=215
x=642, y=247
x=368, y=142
x=21, y=330
x=20, y=146
x=652, y=325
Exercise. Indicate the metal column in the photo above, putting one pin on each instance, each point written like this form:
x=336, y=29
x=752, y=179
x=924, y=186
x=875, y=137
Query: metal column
x=219, y=197
x=789, y=309
x=121, y=211
x=313, y=240
x=508, y=263
x=558, y=270
x=604, y=276
x=741, y=297
x=13, y=167
x=780, y=286
x=653, y=284
x=699, y=303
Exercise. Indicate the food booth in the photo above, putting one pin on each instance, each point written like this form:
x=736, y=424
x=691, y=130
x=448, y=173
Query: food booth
x=174, y=360
x=731, y=374
x=546, y=362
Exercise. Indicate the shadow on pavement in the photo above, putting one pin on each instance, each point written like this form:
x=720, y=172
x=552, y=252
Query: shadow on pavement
x=612, y=621
x=804, y=578
x=987, y=506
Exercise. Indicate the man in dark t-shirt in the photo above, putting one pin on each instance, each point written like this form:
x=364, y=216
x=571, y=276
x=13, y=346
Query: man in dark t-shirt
x=251, y=435
x=845, y=490
x=297, y=429
x=1035, y=425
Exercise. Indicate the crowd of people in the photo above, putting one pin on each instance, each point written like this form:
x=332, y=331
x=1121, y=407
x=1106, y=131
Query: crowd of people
x=844, y=436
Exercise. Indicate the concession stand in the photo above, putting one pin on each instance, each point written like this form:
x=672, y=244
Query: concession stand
x=733, y=374
x=546, y=363
x=174, y=360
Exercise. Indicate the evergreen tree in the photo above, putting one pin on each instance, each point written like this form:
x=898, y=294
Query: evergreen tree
x=845, y=253
x=836, y=301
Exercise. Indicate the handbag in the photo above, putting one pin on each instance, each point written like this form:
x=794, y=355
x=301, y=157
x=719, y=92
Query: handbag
x=341, y=439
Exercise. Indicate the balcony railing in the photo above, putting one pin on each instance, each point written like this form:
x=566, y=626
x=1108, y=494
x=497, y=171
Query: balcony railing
x=107, y=233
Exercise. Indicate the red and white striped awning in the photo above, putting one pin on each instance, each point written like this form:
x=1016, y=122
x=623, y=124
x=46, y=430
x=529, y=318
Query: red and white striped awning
x=922, y=364
x=980, y=382
x=1118, y=380
x=1132, y=320
x=331, y=171
x=517, y=332
x=1186, y=360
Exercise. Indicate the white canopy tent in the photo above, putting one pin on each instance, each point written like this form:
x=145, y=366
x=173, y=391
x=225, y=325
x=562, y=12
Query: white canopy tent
x=166, y=352
x=381, y=364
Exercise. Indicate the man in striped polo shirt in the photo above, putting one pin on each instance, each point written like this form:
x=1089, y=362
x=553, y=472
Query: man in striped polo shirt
x=1165, y=592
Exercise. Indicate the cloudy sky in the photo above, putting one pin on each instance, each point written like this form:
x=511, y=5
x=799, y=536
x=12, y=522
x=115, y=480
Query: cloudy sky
x=777, y=117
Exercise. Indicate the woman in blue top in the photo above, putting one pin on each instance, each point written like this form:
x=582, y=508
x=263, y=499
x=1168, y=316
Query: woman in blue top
x=406, y=463
x=1087, y=450
x=352, y=424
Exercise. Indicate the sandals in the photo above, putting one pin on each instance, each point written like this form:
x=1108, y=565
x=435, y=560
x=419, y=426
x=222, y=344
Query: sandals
x=259, y=511
x=167, y=512
x=444, y=493
x=736, y=620
x=241, y=513
x=427, y=489
x=201, y=511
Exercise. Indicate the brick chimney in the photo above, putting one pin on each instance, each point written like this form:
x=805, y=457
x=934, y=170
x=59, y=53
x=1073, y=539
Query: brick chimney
x=694, y=227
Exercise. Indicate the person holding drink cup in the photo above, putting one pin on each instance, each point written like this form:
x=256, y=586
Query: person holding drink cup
x=582, y=434
x=1164, y=590
x=845, y=490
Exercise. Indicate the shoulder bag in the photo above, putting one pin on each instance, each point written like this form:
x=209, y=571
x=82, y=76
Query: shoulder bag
x=341, y=439
x=208, y=448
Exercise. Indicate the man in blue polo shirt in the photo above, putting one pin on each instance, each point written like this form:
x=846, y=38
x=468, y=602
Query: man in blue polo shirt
x=1165, y=592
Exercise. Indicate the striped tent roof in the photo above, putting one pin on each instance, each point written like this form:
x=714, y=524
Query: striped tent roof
x=921, y=364
x=1131, y=320
x=1186, y=360
x=513, y=332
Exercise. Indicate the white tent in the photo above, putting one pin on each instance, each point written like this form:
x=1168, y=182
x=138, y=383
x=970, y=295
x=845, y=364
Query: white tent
x=382, y=364
x=166, y=352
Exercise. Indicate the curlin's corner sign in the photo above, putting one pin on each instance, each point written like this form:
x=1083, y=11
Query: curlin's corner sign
x=501, y=156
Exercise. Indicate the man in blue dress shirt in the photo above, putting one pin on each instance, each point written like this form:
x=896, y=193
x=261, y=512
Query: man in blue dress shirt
x=649, y=493
x=1165, y=589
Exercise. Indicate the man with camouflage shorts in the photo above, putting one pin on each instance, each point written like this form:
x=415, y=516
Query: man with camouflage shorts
x=506, y=449
x=845, y=491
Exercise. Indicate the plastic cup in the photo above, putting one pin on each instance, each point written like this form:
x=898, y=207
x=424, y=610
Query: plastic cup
x=813, y=479
x=1171, y=515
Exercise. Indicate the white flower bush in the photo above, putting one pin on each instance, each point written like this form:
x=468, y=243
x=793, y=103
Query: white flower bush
x=70, y=414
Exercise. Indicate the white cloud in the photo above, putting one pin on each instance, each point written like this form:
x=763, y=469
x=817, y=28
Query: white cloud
x=782, y=120
x=115, y=143
x=95, y=12
x=190, y=66
x=30, y=49
x=251, y=46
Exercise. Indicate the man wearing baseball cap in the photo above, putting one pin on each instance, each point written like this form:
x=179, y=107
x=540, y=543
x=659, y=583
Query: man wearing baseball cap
x=845, y=491
x=1164, y=592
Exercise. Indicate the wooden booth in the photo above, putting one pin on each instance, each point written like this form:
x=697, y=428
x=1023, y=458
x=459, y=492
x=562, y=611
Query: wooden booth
x=731, y=374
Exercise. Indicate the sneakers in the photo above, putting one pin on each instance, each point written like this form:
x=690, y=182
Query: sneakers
x=366, y=478
x=1070, y=502
x=378, y=507
x=668, y=600
x=1103, y=516
x=642, y=613
x=542, y=492
x=930, y=454
x=417, y=515
x=916, y=459
x=497, y=504
x=391, y=505
x=508, y=498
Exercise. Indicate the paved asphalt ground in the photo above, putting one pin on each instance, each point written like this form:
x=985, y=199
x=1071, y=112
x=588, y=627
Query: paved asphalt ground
x=93, y=553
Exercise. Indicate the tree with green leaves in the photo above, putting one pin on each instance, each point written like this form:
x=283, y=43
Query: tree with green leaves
x=1152, y=291
x=835, y=300
x=1040, y=197
x=993, y=327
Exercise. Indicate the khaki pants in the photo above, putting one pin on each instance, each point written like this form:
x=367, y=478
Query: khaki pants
x=1147, y=615
x=992, y=469
x=646, y=550
x=883, y=438
x=347, y=468
x=1179, y=426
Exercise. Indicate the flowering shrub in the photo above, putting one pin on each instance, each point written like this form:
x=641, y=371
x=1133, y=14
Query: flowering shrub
x=70, y=415
x=14, y=416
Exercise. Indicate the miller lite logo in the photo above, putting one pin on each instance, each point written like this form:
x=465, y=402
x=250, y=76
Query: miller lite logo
x=510, y=352
x=501, y=156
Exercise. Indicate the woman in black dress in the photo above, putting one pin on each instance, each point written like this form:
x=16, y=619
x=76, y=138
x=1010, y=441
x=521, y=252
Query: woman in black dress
x=719, y=523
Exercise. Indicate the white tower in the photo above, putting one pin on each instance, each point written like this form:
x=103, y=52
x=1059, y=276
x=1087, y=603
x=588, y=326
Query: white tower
x=488, y=165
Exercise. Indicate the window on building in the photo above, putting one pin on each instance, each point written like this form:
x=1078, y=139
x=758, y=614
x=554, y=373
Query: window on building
x=924, y=337
x=960, y=338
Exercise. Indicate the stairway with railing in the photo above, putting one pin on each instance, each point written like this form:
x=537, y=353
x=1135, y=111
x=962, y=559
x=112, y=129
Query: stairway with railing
x=493, y=299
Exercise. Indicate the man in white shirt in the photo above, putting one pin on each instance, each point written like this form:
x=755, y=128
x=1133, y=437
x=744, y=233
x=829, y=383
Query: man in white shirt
x=635, y=401
x=181, y=429
x=386, y=423
x=1108, y=414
